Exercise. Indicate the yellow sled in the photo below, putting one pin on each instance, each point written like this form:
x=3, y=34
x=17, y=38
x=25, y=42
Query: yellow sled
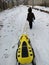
x=24, y=53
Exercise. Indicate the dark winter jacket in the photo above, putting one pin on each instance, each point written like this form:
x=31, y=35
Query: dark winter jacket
x=30, y=17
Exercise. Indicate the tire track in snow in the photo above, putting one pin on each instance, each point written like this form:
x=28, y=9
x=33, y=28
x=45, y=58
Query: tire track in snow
x=25, y=29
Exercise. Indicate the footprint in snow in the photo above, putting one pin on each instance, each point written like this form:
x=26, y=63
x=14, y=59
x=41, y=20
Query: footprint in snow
x=4, y=19
x=13, y=46
x=6, y=49
x=6, y=55
x=11, y=30
x=47, y=24
x=5, y=35
x=0, y=36
x=1, y=26
x=8, y=23
x=8, y=26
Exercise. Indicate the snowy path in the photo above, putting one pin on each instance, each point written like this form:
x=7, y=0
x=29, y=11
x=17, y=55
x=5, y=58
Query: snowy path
x=9, y=35
x=39, y=36
x=14, y=24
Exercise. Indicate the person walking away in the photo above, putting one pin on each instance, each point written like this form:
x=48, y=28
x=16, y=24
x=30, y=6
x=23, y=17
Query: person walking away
x=30, y=17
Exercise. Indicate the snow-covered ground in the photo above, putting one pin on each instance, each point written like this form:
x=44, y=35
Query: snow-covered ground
x=14, y=25
x=43, y=8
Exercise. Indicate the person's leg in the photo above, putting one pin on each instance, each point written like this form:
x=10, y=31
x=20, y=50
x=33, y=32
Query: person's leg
x=30, y=25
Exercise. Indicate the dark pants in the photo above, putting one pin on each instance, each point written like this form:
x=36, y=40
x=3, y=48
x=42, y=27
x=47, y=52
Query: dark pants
x=30, y=25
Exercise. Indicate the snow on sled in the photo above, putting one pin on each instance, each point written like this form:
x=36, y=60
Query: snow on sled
x=25, y=53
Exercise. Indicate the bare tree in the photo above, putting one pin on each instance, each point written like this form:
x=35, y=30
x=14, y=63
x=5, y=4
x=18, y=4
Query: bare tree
x=25, y=2
x=12, y=2
x=4, y=5
x=1, y=5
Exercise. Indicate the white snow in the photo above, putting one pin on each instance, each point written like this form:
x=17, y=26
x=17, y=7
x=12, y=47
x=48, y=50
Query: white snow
x=43, y=8
x=14, y=25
